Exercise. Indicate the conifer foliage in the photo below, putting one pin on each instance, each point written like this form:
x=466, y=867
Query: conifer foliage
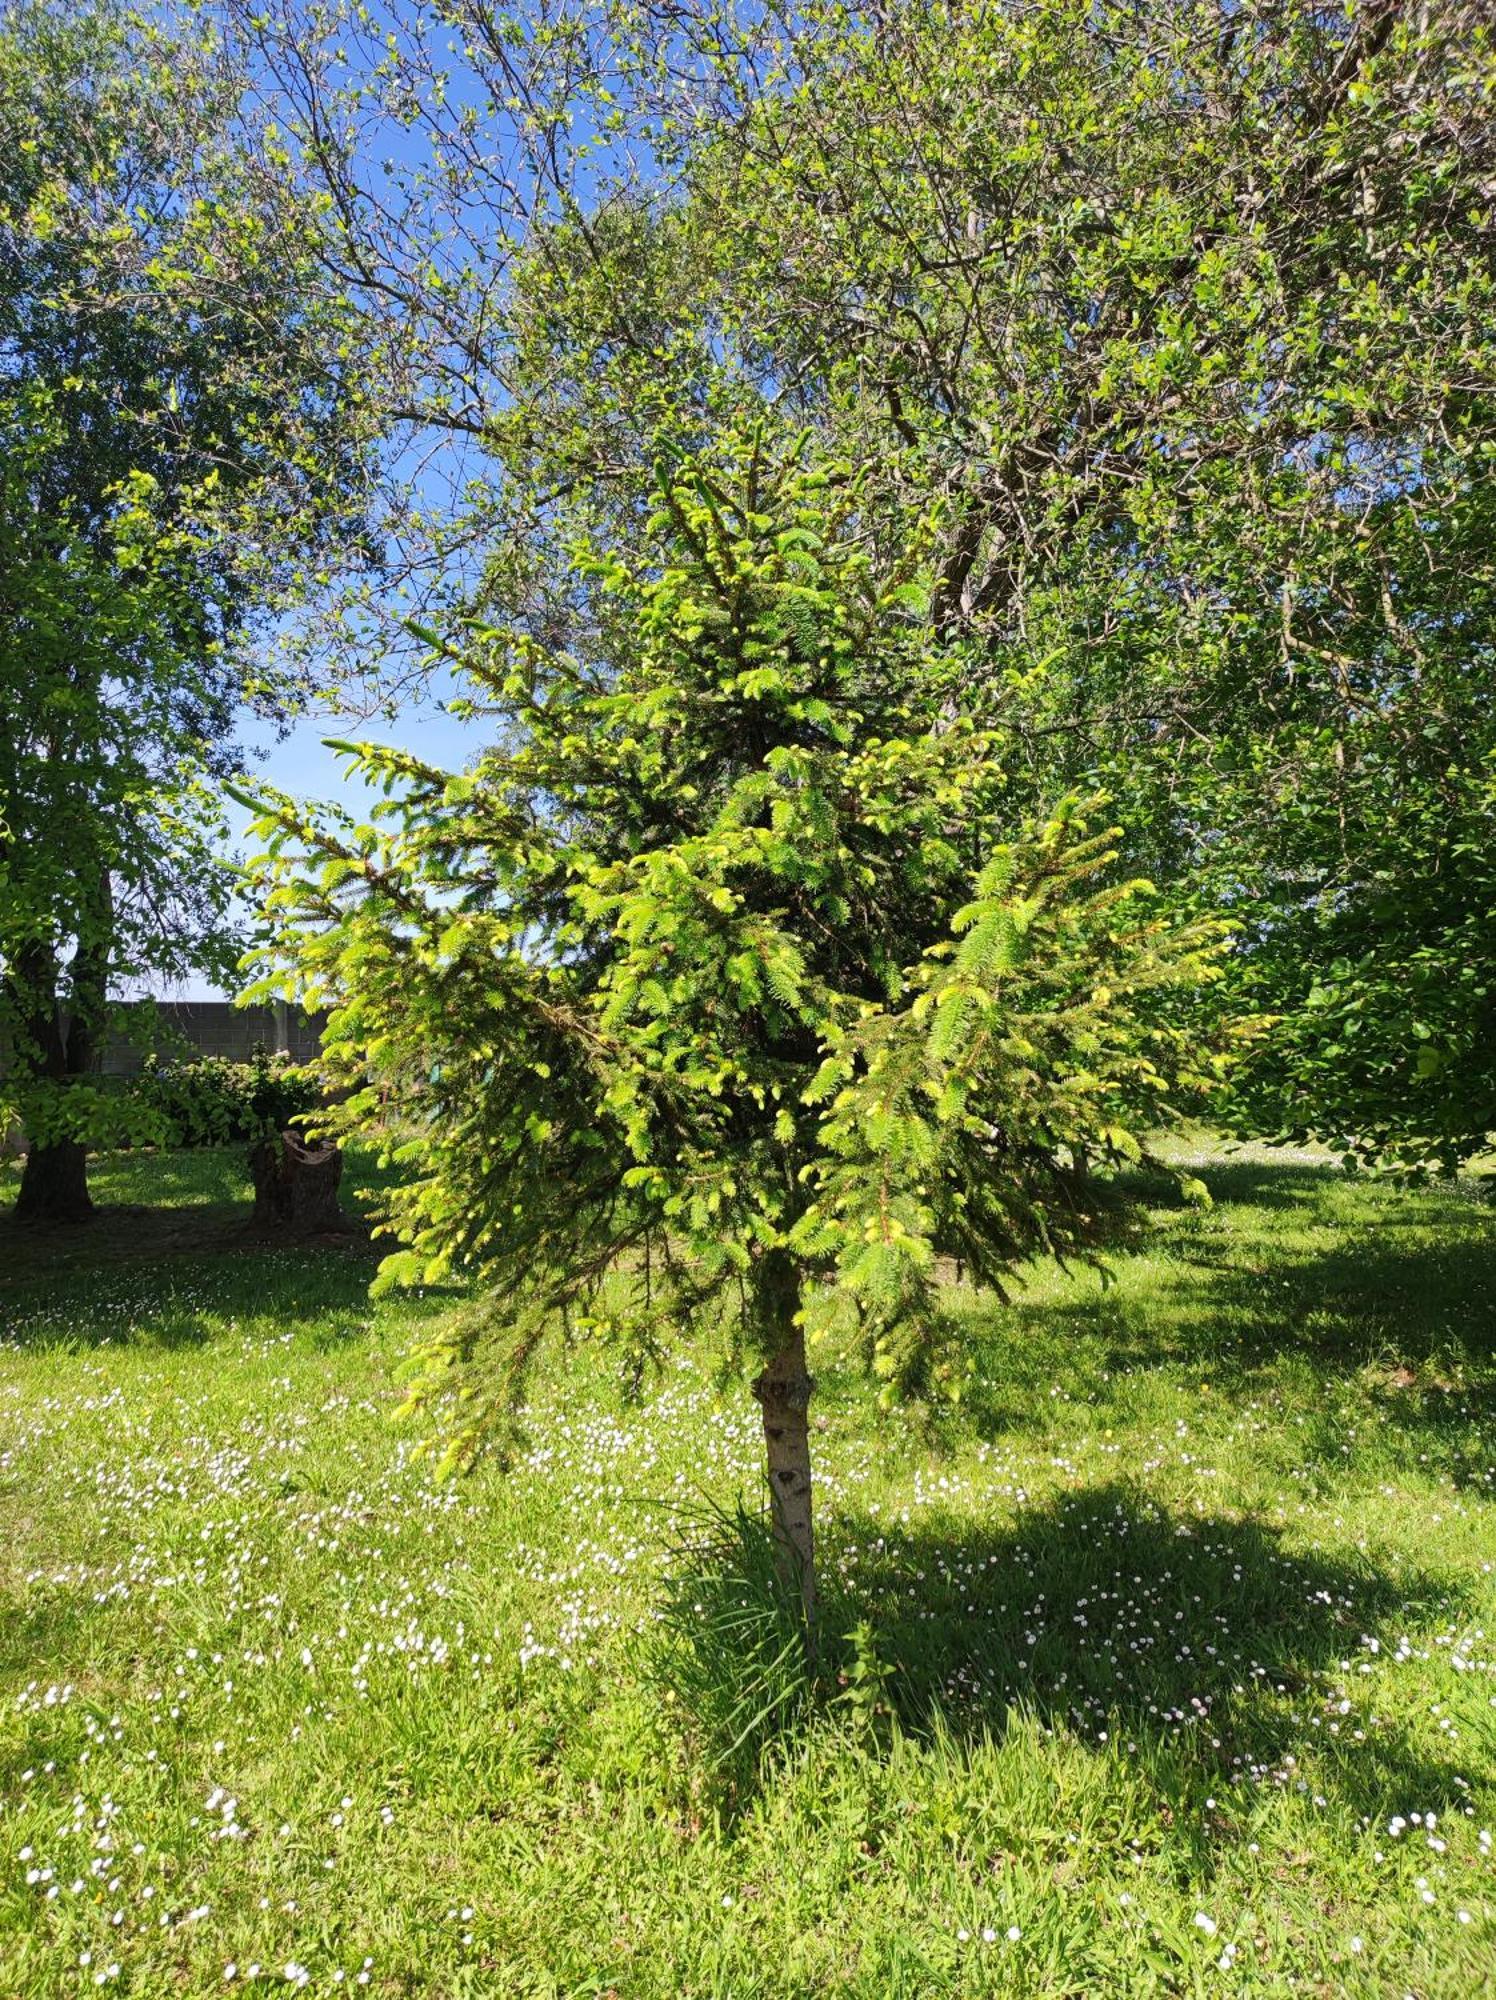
x=725, y=989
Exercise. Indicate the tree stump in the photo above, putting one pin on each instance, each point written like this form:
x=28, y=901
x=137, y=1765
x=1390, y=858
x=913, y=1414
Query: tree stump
x=296, y=1186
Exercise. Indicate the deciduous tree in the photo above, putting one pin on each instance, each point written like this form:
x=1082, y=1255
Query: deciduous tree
x=1182, y=312
x=178, y=452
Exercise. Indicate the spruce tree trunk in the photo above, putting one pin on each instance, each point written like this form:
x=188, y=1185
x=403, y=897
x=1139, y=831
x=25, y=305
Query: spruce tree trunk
x=783, y=1391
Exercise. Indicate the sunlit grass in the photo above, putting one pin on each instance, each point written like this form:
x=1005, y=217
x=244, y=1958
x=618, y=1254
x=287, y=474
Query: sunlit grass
x=1190, y=1611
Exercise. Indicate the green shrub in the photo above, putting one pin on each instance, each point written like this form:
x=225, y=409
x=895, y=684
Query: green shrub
x=212, y=1102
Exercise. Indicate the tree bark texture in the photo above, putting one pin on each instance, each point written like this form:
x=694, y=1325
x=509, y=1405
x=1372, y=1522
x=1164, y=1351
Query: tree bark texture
x=784, y=1390
x=296, y=1186
x=56, y=1045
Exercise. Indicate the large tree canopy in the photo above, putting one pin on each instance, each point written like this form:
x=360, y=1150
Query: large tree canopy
x=177, y=456
x=1184, y=314
x=1189, y=311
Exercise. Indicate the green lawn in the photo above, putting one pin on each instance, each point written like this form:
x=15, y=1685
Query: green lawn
x=1191, y=1614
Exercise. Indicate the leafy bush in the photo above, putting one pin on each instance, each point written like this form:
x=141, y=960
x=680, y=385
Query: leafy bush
x=212, y=1102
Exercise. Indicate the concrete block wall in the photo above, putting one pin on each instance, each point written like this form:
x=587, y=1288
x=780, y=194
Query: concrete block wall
x=218, y=1028
x=192, y=1028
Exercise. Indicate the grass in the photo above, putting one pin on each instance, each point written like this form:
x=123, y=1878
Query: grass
x=1186, y=1627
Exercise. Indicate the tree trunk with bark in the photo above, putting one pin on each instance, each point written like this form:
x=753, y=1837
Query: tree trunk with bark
x=296, y=1186
x=783, y=1390
x=54, y=1184
x=57, y=1045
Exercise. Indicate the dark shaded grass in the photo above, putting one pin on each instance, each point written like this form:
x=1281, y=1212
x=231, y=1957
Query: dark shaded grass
x=1200, y=1644
x=1348, y=1276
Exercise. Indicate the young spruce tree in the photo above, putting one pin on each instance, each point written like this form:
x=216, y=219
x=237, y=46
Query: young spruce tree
x=721, y=990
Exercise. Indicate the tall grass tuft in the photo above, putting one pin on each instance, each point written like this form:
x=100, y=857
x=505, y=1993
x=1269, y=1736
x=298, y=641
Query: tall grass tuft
x=725, y=1647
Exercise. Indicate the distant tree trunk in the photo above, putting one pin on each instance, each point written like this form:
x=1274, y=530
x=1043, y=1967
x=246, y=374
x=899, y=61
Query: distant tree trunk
x=57, y=1047
x=784, y=1390
x=296, y=1186
x=54, y=1184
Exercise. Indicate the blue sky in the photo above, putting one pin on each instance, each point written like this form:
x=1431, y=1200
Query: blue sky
x=402, y=169
x=301, y=763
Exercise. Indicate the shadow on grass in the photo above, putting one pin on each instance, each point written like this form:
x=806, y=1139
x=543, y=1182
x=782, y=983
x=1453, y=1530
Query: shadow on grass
x=172, y=1204
x=1359, y=1299
x=1364, y=1301
x=1408, y=1294
x=177, y=1301
x=1421, y=1314
x=1201, y=1642
x=1275, y=1185
x=112, y=1235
